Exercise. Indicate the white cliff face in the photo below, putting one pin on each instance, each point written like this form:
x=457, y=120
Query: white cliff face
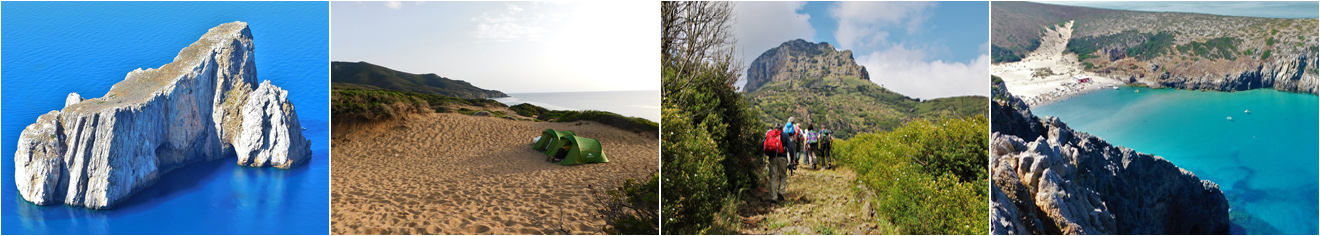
x=97, y=152
x=271, y=134
x=38, y=163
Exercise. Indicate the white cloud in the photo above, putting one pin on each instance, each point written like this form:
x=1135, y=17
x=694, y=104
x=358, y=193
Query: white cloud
x=759, y=26
x=866, y=25
x=906, y=70
x=394, y=4
x=513, y=24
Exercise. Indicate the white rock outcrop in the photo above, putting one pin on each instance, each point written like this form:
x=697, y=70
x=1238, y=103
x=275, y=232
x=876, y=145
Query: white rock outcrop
x=271, y=135
x=97, y=152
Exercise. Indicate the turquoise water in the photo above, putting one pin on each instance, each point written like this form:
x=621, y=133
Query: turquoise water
x=1265, y=161
x=644, y=104
x=53, y=48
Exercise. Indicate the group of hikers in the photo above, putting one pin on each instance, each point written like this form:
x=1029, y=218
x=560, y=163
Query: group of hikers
x=789, y=145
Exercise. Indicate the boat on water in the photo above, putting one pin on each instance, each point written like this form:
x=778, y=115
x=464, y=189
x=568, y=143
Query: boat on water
x=1248, y=111
x=1230, y=118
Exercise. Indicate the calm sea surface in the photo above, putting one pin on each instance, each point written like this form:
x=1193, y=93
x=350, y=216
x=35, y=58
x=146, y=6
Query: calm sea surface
x=644, y=104
x=54, y=48
x=1265, y=161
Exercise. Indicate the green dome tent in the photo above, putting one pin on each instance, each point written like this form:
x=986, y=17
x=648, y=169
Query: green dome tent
x=548, y=137
x=580, y=150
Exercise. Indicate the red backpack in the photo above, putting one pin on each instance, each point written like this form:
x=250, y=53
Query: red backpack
x=772, y=141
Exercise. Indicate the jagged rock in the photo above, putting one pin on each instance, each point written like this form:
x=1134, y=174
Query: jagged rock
x=73, y=98
x=1066, y=182
x=97, y=152
x=271, y=133
x=38, y=163
x=798, y=58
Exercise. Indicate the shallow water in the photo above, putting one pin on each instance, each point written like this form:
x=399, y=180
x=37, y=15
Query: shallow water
x=1265, y=161
x=644, y=104
x=54, y=48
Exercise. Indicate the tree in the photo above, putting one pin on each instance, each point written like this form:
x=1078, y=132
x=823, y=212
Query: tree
x=711, y=136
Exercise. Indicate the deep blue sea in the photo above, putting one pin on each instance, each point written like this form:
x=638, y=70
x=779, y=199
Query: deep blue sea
x=644, y=103
x=51, y=49
x=1265, y=161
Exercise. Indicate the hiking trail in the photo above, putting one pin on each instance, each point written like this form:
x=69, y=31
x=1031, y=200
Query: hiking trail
x=817, y=202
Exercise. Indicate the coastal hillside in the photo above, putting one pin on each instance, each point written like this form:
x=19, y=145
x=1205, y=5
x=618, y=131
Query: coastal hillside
x=1166, y=49
x=818, y=84
x=369, y=76
x=1048, y=179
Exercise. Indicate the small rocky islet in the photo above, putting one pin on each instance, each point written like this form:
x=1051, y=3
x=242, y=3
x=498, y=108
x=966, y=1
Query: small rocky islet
x=205, y=105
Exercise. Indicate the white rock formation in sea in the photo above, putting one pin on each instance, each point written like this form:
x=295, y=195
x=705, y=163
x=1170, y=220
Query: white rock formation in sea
x=271, y=134
x=97, y=152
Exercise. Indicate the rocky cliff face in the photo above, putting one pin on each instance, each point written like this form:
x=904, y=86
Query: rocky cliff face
x=1283, y=74
x=98, y=152
x=802, y=59
x=1047, y=179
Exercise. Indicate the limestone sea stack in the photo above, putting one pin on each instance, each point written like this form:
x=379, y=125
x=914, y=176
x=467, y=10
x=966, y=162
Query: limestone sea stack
x=1048, y=179
x=205, y=105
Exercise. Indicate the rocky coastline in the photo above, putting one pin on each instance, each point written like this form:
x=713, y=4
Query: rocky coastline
x=1048, y=179
x=205, y=105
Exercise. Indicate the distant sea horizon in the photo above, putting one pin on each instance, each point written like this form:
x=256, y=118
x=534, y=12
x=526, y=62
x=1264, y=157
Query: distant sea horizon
x=633, y=103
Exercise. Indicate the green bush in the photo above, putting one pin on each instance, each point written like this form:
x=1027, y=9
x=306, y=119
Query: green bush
x=528, y=110
x=370, y=105
x=604, y=117
x=930, y=177
x=1265, y=55
x=631, y=209
x=694, y=182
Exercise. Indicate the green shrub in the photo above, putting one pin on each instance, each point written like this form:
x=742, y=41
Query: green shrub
x=694, y=182
x=1269, y=41
x=370, y=105
x=1265, y=55
x=631, y=209
x=930, y=177
x=528, y=110
x=604, y=117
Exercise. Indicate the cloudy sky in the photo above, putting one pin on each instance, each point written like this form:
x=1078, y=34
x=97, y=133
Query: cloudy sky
x=514, y=47
x=1309, y=9
x=920, y=49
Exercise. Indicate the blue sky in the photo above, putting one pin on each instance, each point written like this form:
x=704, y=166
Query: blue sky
x=1309, y=9
x=514, y=47
x=921, y=49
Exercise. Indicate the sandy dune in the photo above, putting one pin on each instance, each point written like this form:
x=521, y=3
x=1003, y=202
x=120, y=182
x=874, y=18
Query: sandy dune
x=450, y=173
x=1051, y=54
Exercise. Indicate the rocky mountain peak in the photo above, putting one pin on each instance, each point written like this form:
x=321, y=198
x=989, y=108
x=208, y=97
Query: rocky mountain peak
x=800, y=59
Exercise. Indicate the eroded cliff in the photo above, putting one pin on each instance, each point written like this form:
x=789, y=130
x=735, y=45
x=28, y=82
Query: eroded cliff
x=205, y=105
x=1048, y=179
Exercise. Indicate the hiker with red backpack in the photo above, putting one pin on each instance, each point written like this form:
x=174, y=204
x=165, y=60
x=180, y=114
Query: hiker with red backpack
x=774, y=150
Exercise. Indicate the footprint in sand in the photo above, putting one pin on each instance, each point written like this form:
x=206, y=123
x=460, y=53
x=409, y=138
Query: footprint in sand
x=480, y=229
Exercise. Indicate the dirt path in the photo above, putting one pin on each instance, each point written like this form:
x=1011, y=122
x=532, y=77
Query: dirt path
x=818, y=202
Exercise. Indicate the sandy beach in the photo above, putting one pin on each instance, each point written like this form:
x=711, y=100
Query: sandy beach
x=1035, y=90
x=448, y=173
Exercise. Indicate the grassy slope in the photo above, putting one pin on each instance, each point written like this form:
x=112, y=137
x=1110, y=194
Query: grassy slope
x=850, y=106
x=1017, y=27
x=373, y=77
